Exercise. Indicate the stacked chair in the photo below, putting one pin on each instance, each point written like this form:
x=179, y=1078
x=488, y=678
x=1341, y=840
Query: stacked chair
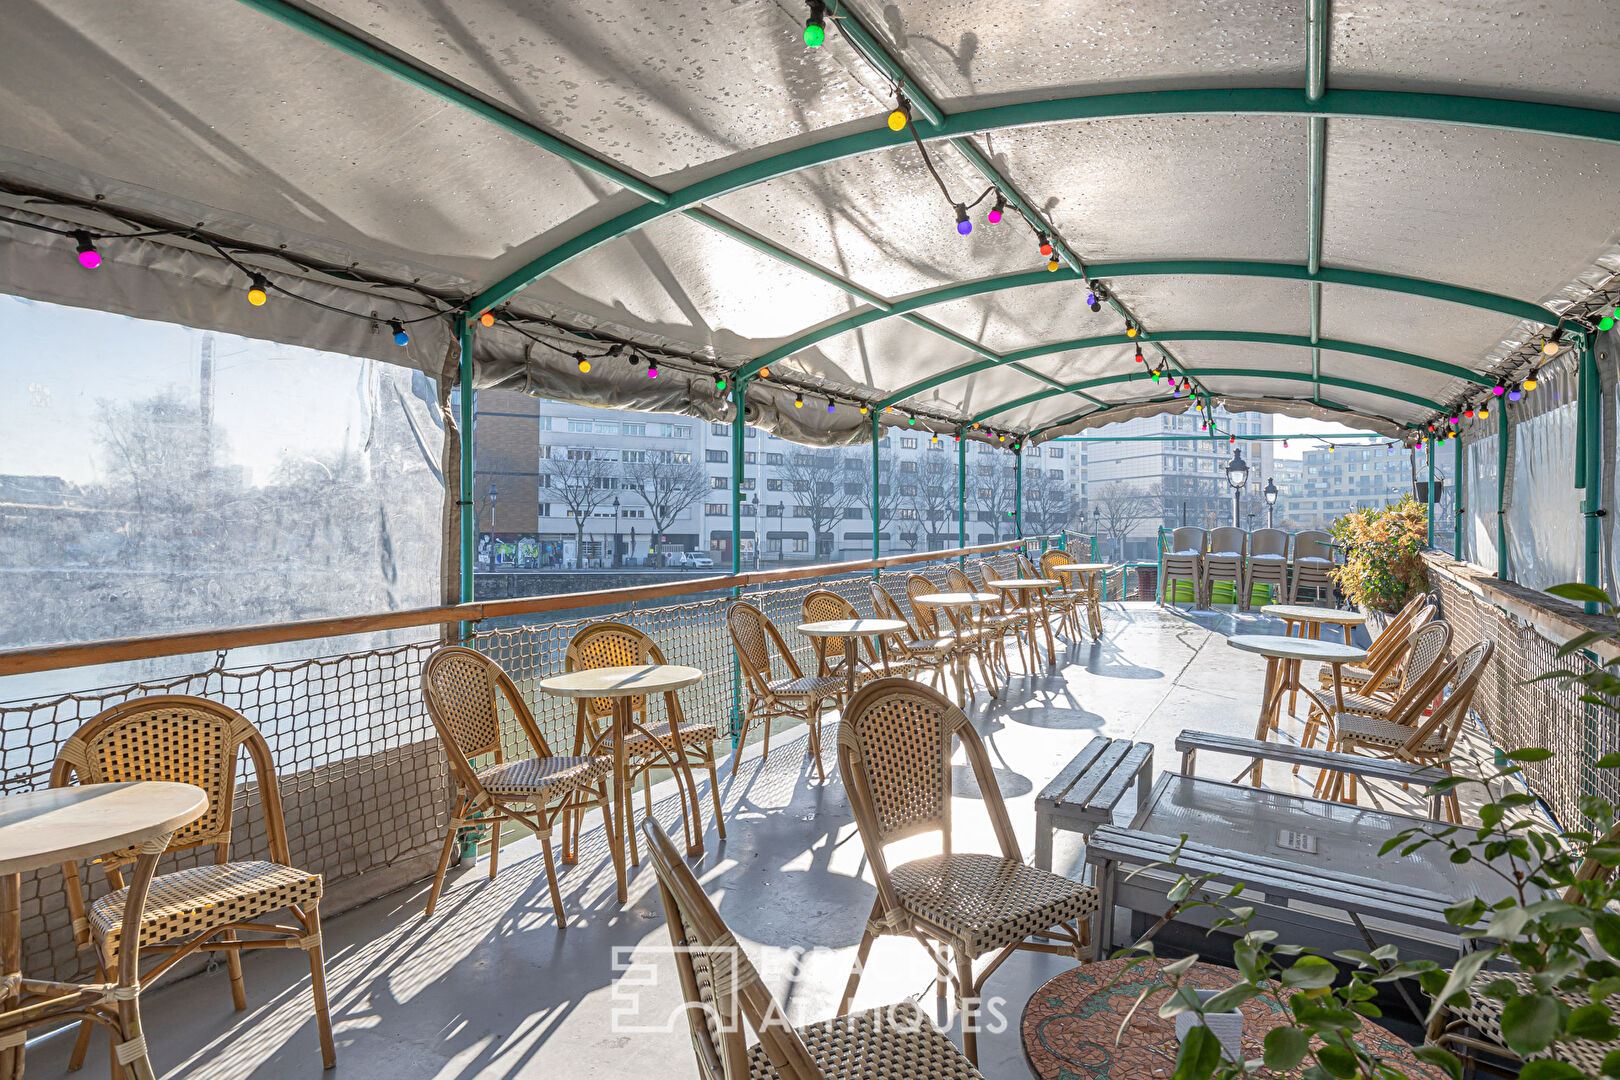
x=1267, y=565
x=1224, y=561
x=761, y=653
x=671, y=741
x=1407, y=734
x=461, y=688
x=1004, y=615
x=192, y=741
x=1183, y=560
x=1313, y=558
x=894, y=754
x=725, y=997
x=992, y=631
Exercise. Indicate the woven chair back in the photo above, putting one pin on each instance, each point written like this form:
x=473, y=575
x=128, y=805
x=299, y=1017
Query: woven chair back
x=959, y=581
x=1459, y=682
x=721, y=987
x=610, y=644
x=180, y=739
x=461, y=688
x=884, y=606
x=1228, y=539
x=1425, y=667
x=923, y=615
x=1312, y=544
x=1188, y=538
x=1268, y=542
x=758, y=644
x=1026, y=569
x=895, y=744
x=823, y=605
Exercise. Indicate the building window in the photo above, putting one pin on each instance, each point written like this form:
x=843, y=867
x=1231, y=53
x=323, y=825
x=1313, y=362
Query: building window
x=718, y=429
x=908, y=443
x=673, y=431
x=715, y=509
x=747, y=485
x=773, y=484
x=545, y=509
x=773, y=510
x=1054, y=451
x=748, y=457
x=773, y=459
x=581, y=426
x=577, y=454
x=716, y=457
x=801, y=546
x=718, y=483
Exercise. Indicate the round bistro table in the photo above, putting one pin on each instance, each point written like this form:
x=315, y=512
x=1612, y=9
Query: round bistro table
x=622, y=685
x=45, y=828
x=967, y=601
x=1311, y=619
x=1024, y=587
x=1089, y=571
x=1283, y=656
x=1071, y=1026
x=852, y=630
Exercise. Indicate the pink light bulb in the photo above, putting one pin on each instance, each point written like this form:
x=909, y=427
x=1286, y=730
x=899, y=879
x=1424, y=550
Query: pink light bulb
x=994, y=217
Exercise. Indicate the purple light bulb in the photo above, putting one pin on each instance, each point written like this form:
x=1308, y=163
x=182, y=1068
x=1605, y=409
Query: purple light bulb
x=1515, y=394
x=964, y=227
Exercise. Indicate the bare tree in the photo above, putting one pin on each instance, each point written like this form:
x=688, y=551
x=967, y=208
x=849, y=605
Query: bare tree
x=580, y=481
x=1049, y=504
x=934, y=499
x=667, y=488
x=995, y=493
x=821, y=489
x=1124, y=507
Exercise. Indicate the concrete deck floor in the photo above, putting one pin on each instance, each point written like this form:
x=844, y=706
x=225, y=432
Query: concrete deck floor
x=489, y=988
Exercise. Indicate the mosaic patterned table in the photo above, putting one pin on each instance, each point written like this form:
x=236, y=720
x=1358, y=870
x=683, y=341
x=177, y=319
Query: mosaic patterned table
x=1071, y=1026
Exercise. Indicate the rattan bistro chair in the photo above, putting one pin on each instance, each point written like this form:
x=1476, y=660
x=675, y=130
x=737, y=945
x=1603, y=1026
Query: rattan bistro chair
x=823, y=605
x=1066, y=600
x=1424, y=660
x=759, y=647
x=670, y=742
x=193, y=741
x=894, y=754
x=928, y=653
x=965, y=641
x=1409, y=736
x=460, y=687
x=1395, y=638
x=725, y=997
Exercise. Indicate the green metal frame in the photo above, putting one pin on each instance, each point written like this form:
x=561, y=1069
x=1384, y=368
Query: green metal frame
x=1589, y=463
x=877, y=500
x=1433, y=453
x=1504, y=426
x=1018, y=494
x=1316, y=54
x=961, y=489
x=464, y=420
x=1366, y=279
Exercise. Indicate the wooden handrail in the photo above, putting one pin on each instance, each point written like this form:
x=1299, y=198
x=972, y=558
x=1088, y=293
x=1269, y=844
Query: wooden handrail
x=117, y=650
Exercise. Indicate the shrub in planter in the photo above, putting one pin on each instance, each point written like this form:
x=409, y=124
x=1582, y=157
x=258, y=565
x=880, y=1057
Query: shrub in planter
x=1383, y=548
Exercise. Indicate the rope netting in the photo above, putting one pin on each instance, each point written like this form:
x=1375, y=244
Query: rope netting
x=1519, y=713
x=363, y=784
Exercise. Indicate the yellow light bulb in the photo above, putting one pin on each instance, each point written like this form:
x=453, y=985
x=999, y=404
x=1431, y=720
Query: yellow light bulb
x=863, y=410
x=584, y=365
x=1051, y=264
x=257, y=297
x=1530, y=383
x=897, y=120
x=764, y=372
x=1130, y=331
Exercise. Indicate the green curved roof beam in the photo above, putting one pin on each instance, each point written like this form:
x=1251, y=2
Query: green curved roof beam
x=1350, y=414
x=1220, y=373
x=1302, y=341
x=1566, y=121
x=1366, y=279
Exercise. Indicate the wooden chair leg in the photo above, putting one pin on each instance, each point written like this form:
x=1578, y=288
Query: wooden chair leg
x=861, y=954
x=815, y=743
x=494, y=847
x=714, y=792
x=311, y=920
x=233, y=965
x=438, y=877
x=630, y=822
x=551, y=881
x=967, y=1000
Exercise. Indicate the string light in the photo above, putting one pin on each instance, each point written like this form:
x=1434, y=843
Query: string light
x=1139, y=359
x=863, y=410
x=911, y=421
x=900, y=116
x=1549, y=348
x=487, y=318
x=1155, y=374
x=1130, y=329
x=1091, y=302
x=815, y=27
x=994, y=216
x=1015, y=450
x=1484, y=413
x=764, y=372
x=1052, y=263
x=720, y=384
x=1285, y=444
x=1515, y=394
x=1001, y=438
x=584, y=363
x=1468, y=414
x=1454, y=421
x=1046, y=243
x=798, y=401
x=1332, y=448
x=652, y=367
x=1499, y=389
x=832, y=406
x=1530, y=381
x=1606, y=323
x=89, y=257
x=963, y=225
x=258, y=290
x=934, y=438
x=400, y=336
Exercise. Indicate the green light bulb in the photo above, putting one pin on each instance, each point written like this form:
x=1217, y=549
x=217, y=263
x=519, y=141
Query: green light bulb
x=814, y=34
x=1605, y=323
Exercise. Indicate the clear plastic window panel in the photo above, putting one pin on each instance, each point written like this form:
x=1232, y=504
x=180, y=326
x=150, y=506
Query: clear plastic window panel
x=1544, y=522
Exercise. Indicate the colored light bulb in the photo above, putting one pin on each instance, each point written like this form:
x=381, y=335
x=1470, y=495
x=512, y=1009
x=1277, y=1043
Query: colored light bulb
x=911, y=421
x=258, y=292
x=584, y=363
x=720, y=383
x=1130, y=330
x=652, y=369
x=1046, y=245
x=1453, y=421
x=1139, y=354
x=897, y=120
x=1468, y=414
x=1091, y=301
x=1484, y=413
x=1530, y=382
x=831, y=407
x=863, y=410
x=798, y=401
x=400, y=336
x=815, y=27
x=1606, y=323
x=993, y=217
x=1498, y=389
x=963, y=225
x=1549, y=347
x=89, y=257
x=1052, y=263
x=1515, y=394
x=487, y=318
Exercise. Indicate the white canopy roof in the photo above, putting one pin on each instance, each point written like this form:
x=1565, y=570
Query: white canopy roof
x=1360, y=210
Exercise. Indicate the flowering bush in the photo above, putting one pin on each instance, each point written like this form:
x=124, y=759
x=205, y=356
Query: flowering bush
x=1383, y=548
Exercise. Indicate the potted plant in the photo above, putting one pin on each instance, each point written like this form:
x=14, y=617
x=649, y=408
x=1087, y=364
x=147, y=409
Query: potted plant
x=1383, y=565
x=1540, y=958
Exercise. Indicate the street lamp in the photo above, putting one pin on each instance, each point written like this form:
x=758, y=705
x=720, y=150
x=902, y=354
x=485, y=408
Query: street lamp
x=615, y=531
x=1271, y=501
x=759, y=531
x=1096, y=521
x=1237, y=474
x=493, y=496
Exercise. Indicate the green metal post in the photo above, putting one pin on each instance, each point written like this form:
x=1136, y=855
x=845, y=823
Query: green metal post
x=1018, y=495
x=877, y=516
x=1503, y=427
x=738, y=430
x=1591, y=407
x=1431, y=491
x=1456, y=499
x=469, y=524
x=961, y=491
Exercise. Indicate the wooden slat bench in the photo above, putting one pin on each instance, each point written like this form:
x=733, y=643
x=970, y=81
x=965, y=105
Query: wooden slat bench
x=1083, y=796
x=1188, y=743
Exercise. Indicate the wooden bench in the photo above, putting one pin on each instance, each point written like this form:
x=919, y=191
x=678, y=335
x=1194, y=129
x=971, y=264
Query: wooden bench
x=1400, y=772
x=1084, y=794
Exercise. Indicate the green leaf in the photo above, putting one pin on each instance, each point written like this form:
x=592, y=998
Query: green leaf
x=1529, y=753
x=1581, y=593
x=1606, y=927
x=1230, y=998
x=1200, y=1054
x=1550, y=1069
x=1591, y=1022
x=1608, y=761
x=1462, y=975
x=1581, y=641
x=1440, y=1059
x=1530, y=1023
x=1611, y=1063
x=1285, y=1048
x=1337, y=1060
x=1506, y=924
x=1310, y=973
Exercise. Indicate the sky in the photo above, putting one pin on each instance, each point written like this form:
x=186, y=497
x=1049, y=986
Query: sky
x=271, y=401
x=1291, y=425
